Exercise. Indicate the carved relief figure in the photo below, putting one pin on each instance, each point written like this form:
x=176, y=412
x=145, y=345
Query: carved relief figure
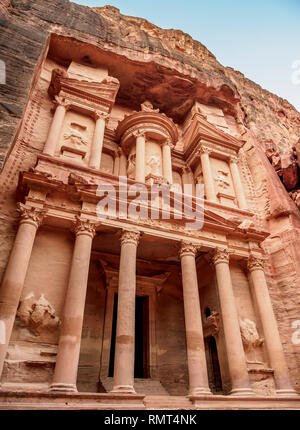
x=222, y=179
x=250, y=337
x=37, y=315
x=74, y=135
x=131, y=166
x=153, y=165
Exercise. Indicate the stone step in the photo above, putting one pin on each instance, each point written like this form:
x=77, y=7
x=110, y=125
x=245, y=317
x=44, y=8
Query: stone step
x=142, y=386
x=169, y=402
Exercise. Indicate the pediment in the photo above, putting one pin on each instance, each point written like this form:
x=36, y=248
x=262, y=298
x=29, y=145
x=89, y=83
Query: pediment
x=107, y=88
x=200, y=128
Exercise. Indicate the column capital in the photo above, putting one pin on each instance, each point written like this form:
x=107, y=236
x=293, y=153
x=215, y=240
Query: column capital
x=204, y=150
x=30, y=215
x=139, y=133
x=130, y=237
x=168, y=142
x=220, y=255
x=84, y=226
x=61, y=101
x=255, y=263
x=186, y=170
x=233, y=159
x=187, y=248
x=100, y=115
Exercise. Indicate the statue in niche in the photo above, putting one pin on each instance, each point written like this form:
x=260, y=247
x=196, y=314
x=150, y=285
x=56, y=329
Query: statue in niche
x=131, y=166
x=250, y=338
x=153, y=165
x=148, y=107
x=75, y=137
x=222, y=179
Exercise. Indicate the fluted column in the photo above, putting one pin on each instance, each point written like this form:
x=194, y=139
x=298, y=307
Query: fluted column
x=197, y=368
x=140, y=156
x=240, y=383
x=123, y=163
x=125, y=334
x=167, y=161
x=270, y=328
x=98, y=139
x=13, y=281
x=207, y=174
x=65, y=374
x=237, y=183
x=56, y=126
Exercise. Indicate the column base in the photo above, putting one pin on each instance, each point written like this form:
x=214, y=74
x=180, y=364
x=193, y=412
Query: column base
x=199, y=391
x=63, y=388
x=123, y=389
x=287, y=392
x=242, y=392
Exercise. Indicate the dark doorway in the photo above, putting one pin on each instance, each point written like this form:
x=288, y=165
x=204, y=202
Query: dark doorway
x=215, y=379
x=141, y=362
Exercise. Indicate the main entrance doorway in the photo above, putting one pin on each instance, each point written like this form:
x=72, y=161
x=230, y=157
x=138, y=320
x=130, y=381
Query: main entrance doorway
x=141, y=362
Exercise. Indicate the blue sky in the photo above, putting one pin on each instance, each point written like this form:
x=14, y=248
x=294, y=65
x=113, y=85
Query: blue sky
x=260, y=38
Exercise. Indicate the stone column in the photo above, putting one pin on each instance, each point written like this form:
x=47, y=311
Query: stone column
x=187, y=178
x=65, y=374
x=270, y=328
x=140, y=156
x=13, y=281
x=235, y=351
x=123, y=164
x=207, y=175
x=98, y=139
x=117, y=163
x=125, y=334
x=56, y=126
x=197, y=368
x=167, y=161
x=237, y=183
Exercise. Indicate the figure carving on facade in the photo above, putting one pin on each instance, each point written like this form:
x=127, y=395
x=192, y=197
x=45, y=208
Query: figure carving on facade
x=131, y=166
x=37, y=315
x=148, y=107
x=222, y=179
x=153, y=165
x=250, y=337
x=75, y=137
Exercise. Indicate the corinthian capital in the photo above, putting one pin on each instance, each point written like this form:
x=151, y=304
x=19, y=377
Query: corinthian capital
x=233, y=159
x=255, y=263
x=130, y=237
x=31, y=215
x=84, y=226
x=204, y=150
x=168, y=142
x=187, y=248
x=220, y=255
x=139, y=133
x=61, y=101
x=100, y=115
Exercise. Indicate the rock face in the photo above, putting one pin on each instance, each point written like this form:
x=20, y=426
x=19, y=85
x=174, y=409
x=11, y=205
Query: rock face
x=124, y=72
x=194, y=72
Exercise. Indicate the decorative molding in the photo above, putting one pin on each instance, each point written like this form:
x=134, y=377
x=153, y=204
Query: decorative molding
x=220, y=255
x=84, y=226
x=130, y=237
x=31, y=215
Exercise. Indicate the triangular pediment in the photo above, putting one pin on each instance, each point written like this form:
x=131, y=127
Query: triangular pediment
x=107, y=88
x=200, y=128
